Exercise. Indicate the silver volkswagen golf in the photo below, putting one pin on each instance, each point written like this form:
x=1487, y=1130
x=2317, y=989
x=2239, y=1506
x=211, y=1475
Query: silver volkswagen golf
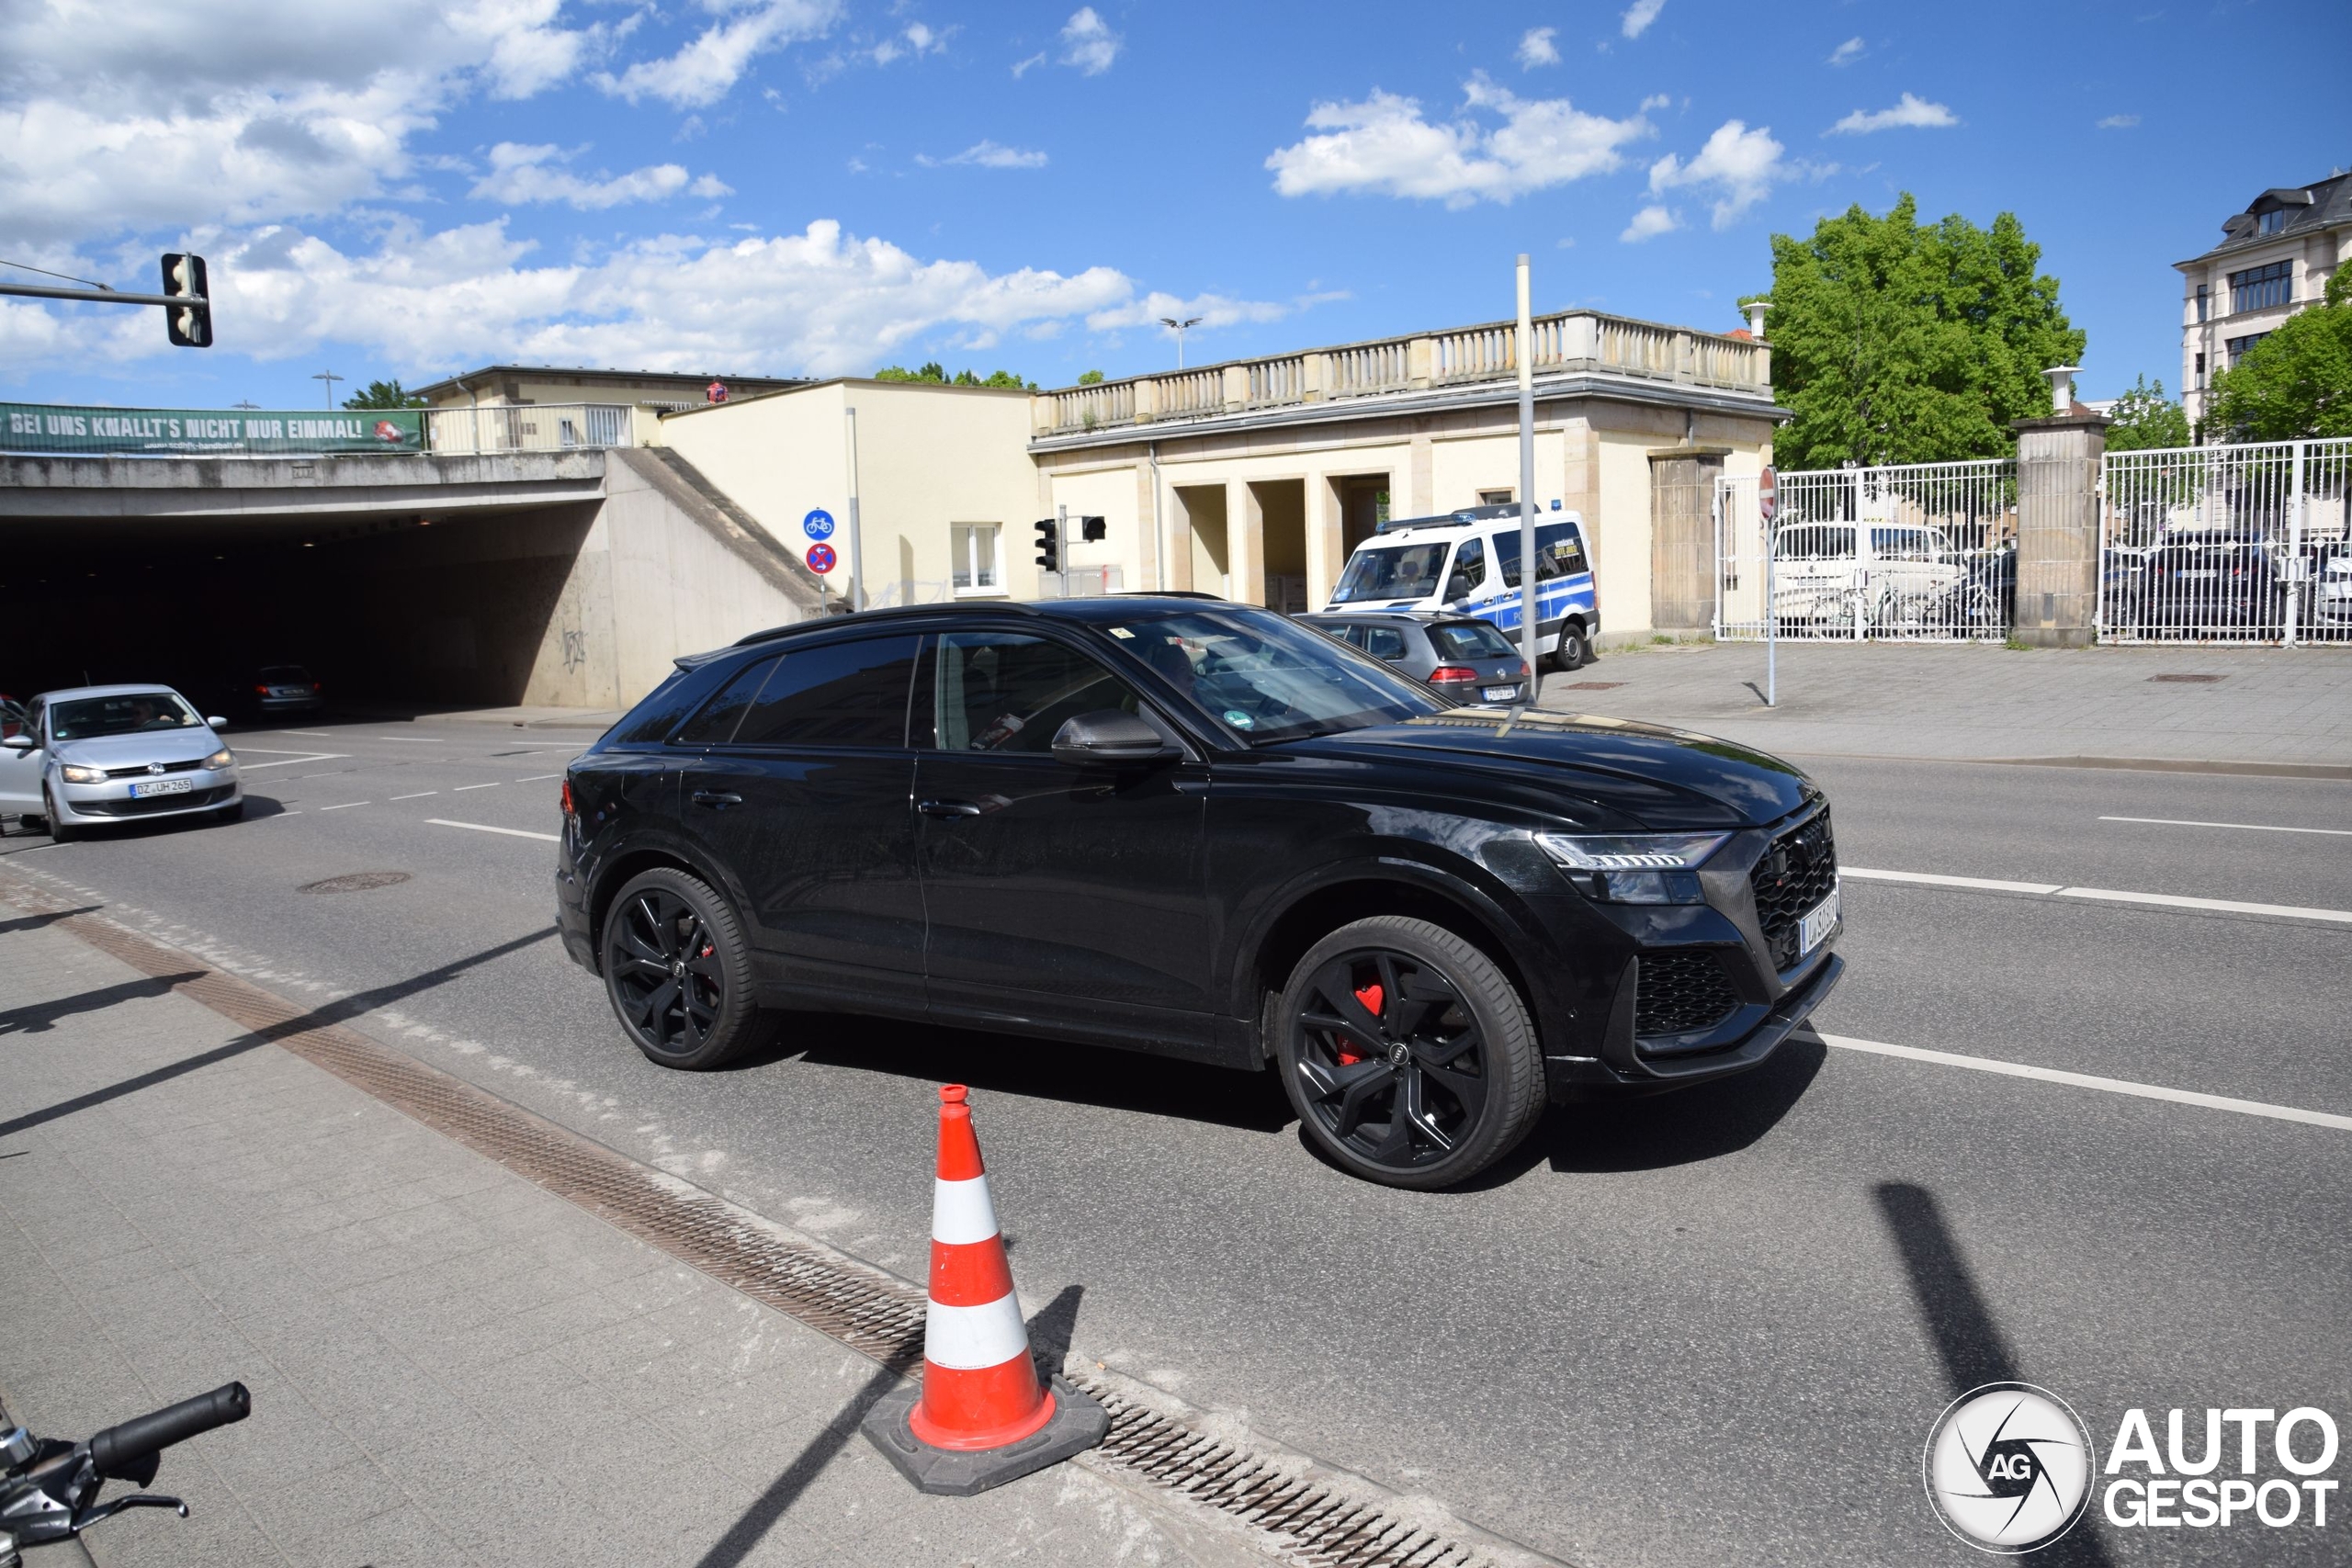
x=94, y=755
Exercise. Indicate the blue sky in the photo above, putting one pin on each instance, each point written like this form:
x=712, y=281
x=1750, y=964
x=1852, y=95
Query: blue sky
x=799, y=187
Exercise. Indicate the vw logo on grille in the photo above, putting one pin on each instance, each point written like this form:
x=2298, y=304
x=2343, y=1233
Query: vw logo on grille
x=155, y=767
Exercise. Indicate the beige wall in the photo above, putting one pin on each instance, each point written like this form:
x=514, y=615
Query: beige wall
x=928, y=457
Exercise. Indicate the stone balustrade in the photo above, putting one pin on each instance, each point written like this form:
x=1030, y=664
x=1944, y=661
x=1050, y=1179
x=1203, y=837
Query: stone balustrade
x=1572, y=343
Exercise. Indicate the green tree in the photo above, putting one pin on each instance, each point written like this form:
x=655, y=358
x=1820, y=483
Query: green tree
x=2295, y=382
x=1007, y=378
x=1900, y=342
x=2145, y=417
x=384, y=395
x=1089, y=378
x=935, y=375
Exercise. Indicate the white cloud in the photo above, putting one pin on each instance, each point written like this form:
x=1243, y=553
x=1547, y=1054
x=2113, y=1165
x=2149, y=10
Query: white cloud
x=1088, y=42
x=989, y=155
x=1741, y=164
x=1640, y=15
x=1384, y=144
x=1910, y=112
x=705, y=69
x=1648, y=223
x=2119, y=122
x=1656, y=101
x=523, y=172
x=1022, y=67
x=913, y=42
x=1537, y=47
x=1214, y=310
x=1848, y=53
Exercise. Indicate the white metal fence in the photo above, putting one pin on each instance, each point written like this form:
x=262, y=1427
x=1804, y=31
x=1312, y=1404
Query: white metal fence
x=1920, y=552
x=530, y=427
x=2227, y=544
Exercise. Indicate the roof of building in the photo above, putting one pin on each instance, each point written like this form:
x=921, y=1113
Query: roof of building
x=695, y=379
x=2323, y=204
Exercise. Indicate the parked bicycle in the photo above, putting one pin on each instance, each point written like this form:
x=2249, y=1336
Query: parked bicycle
x=49, y=1493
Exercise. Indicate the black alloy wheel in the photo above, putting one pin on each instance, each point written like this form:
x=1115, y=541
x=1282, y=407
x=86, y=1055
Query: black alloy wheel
x=1407, y=1054
x=1574, y=649
x=678, y=970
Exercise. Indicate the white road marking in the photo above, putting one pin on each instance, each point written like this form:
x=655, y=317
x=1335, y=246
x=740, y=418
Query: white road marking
x=2088, y=1080
x=420, y=795
x=486, y=827
x=538, y=778
x=310, y=734
x=279, y=751
x=2243, y=827
x=346, y=805
x=2104, y=895
x=462, y=788
x=291, y=811
x=290, y=761
x=418, y=739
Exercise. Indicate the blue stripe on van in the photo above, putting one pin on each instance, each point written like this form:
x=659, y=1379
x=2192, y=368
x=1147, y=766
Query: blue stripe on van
x=1553, y=602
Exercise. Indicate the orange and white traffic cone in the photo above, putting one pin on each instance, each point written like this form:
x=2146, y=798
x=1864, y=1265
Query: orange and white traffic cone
x=980, y=1417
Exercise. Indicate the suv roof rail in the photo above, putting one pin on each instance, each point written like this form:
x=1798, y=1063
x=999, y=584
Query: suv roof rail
x=885, y=611
x=1167, y=594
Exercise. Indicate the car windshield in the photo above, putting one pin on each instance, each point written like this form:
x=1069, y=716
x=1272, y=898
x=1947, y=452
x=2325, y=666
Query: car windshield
x=1471, y=639
x=1393, y=571
x=1266, y=677
x=124, y=713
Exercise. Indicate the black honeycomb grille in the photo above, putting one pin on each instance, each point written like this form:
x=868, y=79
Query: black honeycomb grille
x=1678, y=992
x=1795, y=874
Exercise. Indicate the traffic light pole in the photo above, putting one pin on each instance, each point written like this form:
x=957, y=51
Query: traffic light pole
x=100, y=296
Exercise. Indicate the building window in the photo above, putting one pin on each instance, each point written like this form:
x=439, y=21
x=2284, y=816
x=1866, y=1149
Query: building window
x=1494, y=498
x=2240, y=345
x=2272, y=222
x=973, y=547
x=2262, y=287
x=2204, y=299
x=2201, y=370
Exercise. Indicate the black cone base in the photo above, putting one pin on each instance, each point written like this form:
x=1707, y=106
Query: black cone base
x=1078, y=1425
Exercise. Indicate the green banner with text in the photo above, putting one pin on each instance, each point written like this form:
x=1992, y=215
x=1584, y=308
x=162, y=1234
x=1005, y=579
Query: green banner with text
x=56, y=427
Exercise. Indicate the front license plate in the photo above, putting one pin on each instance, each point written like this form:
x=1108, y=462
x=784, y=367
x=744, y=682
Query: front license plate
x=1816, y=928
x=1497, y=693
x=160, y=786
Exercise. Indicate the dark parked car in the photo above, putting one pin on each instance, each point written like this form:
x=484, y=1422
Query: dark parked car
x=1465, y=659
x=1179, y=826
x=2217, y=585
x=281, y=691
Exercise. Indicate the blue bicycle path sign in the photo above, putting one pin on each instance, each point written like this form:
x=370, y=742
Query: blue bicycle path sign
x=818, y=524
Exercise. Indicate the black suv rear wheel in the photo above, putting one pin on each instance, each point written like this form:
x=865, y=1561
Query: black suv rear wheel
x=1407, y=1054
x=678, y=970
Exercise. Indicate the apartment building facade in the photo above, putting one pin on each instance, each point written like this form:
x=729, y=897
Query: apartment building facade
x=2275, y=258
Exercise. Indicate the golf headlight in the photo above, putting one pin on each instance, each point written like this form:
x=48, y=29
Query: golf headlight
x=223, y=758
x=1635, y=868
x=75, y=772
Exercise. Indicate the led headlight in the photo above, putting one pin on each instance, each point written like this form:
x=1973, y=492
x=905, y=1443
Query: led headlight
x=223, y=758
x=1635, y=868
x=75, y=772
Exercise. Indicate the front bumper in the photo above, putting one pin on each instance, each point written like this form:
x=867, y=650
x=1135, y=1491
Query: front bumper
x=98, y=805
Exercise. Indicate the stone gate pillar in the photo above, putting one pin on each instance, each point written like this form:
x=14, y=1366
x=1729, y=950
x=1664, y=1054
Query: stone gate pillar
x=2058, y=562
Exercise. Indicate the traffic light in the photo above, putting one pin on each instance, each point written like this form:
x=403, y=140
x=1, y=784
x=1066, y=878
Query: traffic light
x=1092, y=528
x=1049, y=544
x=188, y=326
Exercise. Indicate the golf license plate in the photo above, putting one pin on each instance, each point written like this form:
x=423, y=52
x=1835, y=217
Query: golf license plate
x=1816, y=926
x=160, y=786
x=1497, y=693
x=2201, y=574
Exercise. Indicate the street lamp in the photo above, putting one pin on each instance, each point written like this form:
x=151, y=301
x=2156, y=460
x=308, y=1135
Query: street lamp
x=1180, y=329
x=330, y=378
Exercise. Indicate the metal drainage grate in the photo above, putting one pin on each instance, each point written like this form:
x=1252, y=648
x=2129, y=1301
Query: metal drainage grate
x=1310, y=1520
x=2191, y=680
x=1592, y=685
x=354, y=882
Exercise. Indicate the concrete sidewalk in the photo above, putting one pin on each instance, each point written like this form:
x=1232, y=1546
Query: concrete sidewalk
x=448, y=1364
x=2284, y=708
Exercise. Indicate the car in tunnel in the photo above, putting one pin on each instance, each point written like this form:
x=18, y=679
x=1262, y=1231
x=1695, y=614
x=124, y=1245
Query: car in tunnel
x=1200, y=829
x=99, y=756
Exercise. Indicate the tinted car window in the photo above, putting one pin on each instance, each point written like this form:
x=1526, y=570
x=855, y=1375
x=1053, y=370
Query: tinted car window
x=837, y=693
x=1470, y=563
x=1558, y=553
x=1268, y=679
x=715, y=724
x=1471, y=639
x=1003, y=691
x=1384, y=642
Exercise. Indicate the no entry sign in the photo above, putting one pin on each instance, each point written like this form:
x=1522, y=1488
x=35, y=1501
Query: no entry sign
x=820, y=558
x=1768, y=494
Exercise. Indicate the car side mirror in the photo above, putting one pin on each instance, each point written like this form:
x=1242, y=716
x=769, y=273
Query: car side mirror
x=1457, y=586
x=1109, y=736
x=216, y=722
x=17, y=744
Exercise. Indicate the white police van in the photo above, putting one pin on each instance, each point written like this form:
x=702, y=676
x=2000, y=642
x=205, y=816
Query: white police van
x=1466, y=562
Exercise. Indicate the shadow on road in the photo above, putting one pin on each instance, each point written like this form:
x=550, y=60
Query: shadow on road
x=34, y=922
x=1040, y=1069
x=39, y=1018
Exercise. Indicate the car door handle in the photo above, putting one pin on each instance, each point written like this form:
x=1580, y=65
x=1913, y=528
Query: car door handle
x=717, y=797
x=949, y=808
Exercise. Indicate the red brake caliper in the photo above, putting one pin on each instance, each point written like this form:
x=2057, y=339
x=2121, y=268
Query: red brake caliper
x=1372, y=995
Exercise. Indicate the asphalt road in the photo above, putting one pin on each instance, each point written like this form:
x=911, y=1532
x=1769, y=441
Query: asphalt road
x=1707, y=1328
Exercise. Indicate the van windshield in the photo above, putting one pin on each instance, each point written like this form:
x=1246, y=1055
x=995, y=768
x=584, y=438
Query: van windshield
x=1393, y=571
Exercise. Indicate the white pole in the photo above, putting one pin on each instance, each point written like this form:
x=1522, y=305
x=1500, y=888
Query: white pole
x=1772, y=613
x=1529, y=645
x=856, y=557
x=2295, y=542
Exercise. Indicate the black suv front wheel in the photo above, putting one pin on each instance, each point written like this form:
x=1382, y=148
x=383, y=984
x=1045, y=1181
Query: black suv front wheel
x=1407, y=1052
x=678, y=970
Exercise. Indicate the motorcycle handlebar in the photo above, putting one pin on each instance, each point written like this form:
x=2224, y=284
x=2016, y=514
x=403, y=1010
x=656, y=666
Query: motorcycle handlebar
x=122, y=1447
